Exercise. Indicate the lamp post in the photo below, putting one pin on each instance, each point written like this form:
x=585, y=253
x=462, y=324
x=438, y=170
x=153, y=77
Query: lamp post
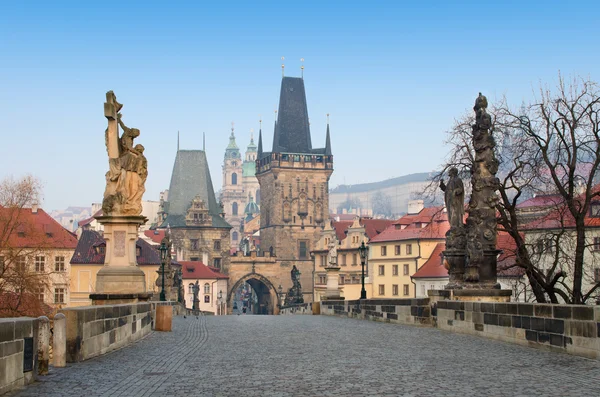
x=220, y=299
x=363, y=251
x=163, y=258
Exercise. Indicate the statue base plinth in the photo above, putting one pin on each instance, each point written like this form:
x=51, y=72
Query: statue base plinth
x=118, y=299
x=471, y=295
x=333, y=289
x=121, y=274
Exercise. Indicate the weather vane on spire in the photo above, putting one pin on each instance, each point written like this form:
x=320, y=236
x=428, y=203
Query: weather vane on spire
x=282, y=66
x=260, y=121
x=302, y=67
x=327, y=118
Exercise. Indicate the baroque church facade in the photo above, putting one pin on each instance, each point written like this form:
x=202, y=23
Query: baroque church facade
x=240, y=193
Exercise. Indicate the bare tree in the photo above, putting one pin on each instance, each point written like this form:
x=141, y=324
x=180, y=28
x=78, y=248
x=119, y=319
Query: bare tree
x=552, y=145
x=20, y=283
x=382, y=204
x=349, y=204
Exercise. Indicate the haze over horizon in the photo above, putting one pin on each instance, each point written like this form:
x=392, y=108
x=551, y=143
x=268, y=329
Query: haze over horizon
x=392, y=76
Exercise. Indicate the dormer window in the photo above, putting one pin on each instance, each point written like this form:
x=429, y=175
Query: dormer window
x=138, y=251
x=595, y=209
x=21, y=234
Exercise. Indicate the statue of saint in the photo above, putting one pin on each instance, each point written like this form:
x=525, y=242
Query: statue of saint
x=332, y=254
x=454, y=196
x=128, y=167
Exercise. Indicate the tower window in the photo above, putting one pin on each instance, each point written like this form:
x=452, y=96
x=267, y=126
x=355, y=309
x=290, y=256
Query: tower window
x=234, y=236
x=234, y=179
x=234, y=208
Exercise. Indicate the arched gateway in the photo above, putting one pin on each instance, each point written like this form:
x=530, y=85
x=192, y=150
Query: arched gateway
x=266, y=294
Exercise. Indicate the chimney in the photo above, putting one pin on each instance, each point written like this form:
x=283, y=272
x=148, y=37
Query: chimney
x=415, y=206
x=34, y=208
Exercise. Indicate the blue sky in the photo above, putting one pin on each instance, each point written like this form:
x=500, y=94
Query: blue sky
x=393, y=75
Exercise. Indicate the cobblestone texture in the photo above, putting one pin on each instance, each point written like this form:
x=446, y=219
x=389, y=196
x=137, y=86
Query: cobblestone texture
x=319, y=356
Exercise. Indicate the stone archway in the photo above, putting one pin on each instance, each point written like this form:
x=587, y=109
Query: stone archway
x=268, y=298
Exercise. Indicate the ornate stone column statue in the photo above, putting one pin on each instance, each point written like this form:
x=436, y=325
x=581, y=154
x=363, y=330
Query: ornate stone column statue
x=471, y=253
x=332, y=292
x=121, y=280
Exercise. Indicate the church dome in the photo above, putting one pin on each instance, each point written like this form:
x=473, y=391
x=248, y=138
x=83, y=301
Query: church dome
x=251, y=208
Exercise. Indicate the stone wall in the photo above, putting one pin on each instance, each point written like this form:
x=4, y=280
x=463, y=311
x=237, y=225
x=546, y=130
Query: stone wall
x=567, y=328
x=399, y=311
x=96, y=330
x=570, y=328
x=301, y=308
x=13, y=333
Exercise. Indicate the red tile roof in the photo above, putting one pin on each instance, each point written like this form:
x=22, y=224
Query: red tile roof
x=372, y=227
x=434, y=267
x=430, y=223
x=199, y=271
x=34, y=230
x=155, y=235
x=545, y=200
x=18, y=305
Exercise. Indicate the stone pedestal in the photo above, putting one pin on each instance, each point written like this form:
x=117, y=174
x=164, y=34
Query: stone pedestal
x=332, y=292
x=470, y=295
x=120, y=280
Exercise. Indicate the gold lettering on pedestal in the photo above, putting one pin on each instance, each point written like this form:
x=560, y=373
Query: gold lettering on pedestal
x=119, y=243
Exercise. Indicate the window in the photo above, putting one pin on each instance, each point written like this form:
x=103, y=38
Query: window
x=234, y=179
x=394, y=270
x=432, y=287
x=423, y=290
x=406, y=270
x=40, y=294
x=343, y=260
x=59, y=263
x=382, y=270
x=595, y=209
x=405, y=290
x=207, y=288
x=302, y=249
x=354, y=259
x=322, y=280
x=217, y=263
x=59, y=295
x=596, y=243
x=408, y=249
x=381, y=289
x=342, y=279
x=323, y=260
x=234, y=208
x=194, y=259
x=206, y=298
x=191, y=289
x=597, y=274
x=383, y=251
x=40, y=262
x=395, y=289
x=138, y=251
x=355, y=280
x=397, y=250
x=234, y=236
x=21, y=264
x=217, y=245
x=194, y=244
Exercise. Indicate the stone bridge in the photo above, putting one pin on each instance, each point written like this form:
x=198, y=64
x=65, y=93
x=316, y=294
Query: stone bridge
x=318, y=356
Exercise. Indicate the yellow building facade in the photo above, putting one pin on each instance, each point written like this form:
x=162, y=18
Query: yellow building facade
x=399, y=251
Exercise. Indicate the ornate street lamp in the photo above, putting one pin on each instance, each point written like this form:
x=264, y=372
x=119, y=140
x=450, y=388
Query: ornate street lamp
x=163, y=259
x=363, y=251
x=280, y=291
x=220, y=300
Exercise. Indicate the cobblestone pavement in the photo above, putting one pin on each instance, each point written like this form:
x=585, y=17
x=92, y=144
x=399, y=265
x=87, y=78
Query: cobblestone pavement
x=319, y=356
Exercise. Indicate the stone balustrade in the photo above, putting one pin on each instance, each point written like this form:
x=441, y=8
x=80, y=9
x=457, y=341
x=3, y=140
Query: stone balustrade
x=18, y=352
x=567, y=328
x=300, y=308
x=96, y=330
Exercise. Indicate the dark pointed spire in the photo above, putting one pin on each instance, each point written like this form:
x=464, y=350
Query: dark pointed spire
x=328, y=140
x=260, y=143
x=292, y=131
